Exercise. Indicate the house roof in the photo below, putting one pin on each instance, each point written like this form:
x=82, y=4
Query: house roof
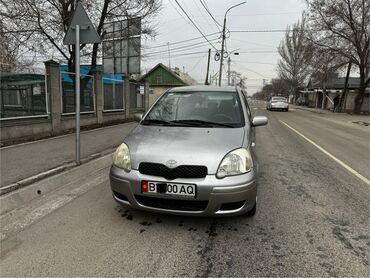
x=336, y=83
x=182, y=77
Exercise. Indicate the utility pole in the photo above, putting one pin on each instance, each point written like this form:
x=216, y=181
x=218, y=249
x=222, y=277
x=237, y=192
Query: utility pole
x=209, y=59
x=223, y=42
x=169, y=55
x=222, y=52
x=228, y=71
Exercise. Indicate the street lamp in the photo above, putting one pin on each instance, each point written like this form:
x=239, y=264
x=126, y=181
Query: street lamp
x=223, y=41
x=228, y=64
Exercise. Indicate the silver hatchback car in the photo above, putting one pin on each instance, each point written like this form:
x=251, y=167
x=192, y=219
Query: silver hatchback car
x=191, y=154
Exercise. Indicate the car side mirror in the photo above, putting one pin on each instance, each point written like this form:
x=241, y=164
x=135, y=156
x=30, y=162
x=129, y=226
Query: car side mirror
x=259, y=121
x=138, y=117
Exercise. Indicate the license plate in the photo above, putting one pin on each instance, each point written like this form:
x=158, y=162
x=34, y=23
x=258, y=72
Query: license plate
x=170, y=188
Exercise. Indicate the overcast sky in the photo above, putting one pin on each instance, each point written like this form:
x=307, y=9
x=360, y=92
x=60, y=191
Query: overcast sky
x=258, y=51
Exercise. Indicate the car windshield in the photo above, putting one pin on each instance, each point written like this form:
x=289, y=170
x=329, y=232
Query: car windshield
x=279, y=98
x=199, y=109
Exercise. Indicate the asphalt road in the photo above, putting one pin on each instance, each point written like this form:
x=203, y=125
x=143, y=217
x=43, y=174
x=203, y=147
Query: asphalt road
x=312, y=219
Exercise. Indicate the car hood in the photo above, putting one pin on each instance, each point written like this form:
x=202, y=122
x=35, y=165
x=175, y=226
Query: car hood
x=185, y=145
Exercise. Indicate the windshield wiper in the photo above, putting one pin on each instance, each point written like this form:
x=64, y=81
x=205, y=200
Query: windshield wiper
x=155, y=121
x=201, y=123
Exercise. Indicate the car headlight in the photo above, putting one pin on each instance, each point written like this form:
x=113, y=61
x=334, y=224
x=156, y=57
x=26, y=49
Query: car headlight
x=237, y=162
x=121, y=157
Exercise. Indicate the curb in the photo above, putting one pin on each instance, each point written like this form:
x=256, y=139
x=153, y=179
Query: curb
x=307, y=109
x=17, y=194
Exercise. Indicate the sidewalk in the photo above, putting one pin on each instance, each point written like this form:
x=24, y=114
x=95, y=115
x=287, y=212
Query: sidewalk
x=22, y=161
x=337, y=116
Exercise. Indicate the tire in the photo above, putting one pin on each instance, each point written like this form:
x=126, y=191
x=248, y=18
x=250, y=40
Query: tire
x=252, y=212
x=287, y=109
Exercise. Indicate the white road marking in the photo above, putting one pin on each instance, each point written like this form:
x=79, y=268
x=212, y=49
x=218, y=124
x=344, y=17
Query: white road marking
x=348, y=168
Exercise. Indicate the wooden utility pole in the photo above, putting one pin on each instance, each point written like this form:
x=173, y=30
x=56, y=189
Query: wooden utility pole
x=209, y=59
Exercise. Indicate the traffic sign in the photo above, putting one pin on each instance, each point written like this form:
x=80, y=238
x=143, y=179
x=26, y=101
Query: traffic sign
x=80, y=31
x=88, y=33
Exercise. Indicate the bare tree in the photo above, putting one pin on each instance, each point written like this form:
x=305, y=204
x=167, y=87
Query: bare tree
x=295, y=52
x=342, y=27
x=277, y=87
x=238, y=79
x=11, y=53
x=40, y=25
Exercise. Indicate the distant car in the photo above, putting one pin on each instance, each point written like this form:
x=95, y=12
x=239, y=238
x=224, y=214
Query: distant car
x=192, y=154
x=278, y=103
x=303, y=101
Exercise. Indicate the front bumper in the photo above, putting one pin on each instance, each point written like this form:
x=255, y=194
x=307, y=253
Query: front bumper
x=213, y=192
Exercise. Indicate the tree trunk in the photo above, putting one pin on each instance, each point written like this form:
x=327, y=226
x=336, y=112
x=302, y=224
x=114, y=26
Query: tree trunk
x=361, y=92
x=345, y=89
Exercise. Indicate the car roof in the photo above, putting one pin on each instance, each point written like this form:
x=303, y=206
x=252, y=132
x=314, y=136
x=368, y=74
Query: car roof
x=203, y=88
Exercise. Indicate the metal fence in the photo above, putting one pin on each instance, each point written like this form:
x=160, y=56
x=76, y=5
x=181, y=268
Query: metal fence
x=136, y=95
x=67, y=85
x=22, y=93
x=113, y=92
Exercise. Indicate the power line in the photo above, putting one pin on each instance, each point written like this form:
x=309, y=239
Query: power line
x=180, y=54
x=248, y=69
x=258, y=31
x=179, y=12
x=204, y=16
x=179, y=42
x=181, y=48
x=195, y=25
x=210, y=14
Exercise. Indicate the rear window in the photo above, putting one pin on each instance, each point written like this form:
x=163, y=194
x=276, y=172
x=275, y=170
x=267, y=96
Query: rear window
x=279, y=98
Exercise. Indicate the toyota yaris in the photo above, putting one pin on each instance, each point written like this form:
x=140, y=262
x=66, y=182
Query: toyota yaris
x=191, y=154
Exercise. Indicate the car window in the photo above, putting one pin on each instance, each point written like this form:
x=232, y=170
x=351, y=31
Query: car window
x=279, y=98
x=214, y=107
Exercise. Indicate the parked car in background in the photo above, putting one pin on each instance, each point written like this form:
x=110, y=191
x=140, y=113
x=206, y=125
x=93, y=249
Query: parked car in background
x=302, y=101
x=278, y=103
x=192, y=154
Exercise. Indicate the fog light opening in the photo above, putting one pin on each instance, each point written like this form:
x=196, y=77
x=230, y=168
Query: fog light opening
x=232, y=206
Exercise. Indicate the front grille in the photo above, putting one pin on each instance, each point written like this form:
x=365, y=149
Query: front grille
x=173, y=204
x=182, y=171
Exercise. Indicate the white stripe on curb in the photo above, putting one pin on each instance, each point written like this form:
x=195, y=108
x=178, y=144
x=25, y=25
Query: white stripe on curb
x=344, y=165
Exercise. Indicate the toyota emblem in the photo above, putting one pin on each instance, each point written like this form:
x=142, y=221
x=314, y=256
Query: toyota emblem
x=171, y=163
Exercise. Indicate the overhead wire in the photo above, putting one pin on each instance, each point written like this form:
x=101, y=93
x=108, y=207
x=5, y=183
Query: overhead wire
x=179, y=42
x=195, y=24
x=180, y=49
x=204, y=16
x=191, y=15
x=248, y=69
x=210, y=14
